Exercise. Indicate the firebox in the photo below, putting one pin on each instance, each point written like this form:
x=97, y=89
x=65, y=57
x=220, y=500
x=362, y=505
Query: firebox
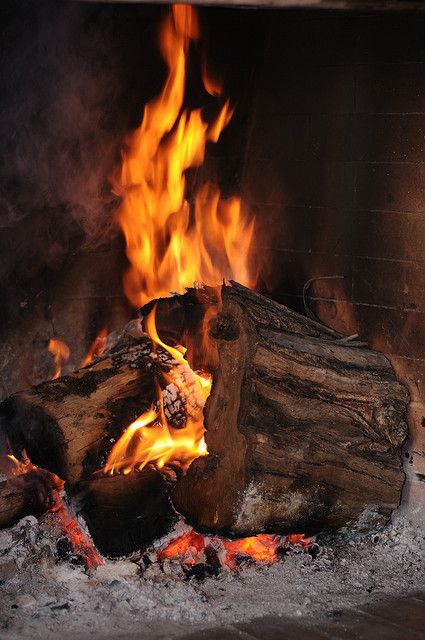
x=211, y=333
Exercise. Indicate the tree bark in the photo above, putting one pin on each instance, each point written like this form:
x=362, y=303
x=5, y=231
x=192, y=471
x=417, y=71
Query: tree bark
x=304, y=429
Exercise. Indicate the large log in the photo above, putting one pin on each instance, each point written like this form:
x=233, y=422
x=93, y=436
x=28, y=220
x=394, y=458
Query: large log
x=304, y=428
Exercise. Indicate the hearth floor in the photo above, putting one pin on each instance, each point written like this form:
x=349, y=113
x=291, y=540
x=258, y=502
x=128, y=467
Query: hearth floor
x=359, y=586
x=390, y=619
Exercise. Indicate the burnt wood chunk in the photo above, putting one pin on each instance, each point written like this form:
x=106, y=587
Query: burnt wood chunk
x=29, y=494
x=125, y=513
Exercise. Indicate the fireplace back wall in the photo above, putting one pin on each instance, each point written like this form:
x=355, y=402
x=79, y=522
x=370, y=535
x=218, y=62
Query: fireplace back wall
x=327, y=147
x=336, y=166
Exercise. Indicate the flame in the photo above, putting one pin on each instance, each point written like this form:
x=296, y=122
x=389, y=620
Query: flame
x=13, y=467
x=96, y=348
x=150, y=438
x=60, y=353
x=169, y=243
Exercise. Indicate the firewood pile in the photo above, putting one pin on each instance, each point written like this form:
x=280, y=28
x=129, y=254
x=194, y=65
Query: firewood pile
x=303, y=429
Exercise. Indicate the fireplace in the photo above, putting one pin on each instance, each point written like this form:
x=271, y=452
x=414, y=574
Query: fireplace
x=156, y=433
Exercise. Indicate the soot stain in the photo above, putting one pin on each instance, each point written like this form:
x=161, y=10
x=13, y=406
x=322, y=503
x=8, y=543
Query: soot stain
x=84, y=386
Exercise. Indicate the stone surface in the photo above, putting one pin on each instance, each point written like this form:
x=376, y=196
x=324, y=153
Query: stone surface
x=407, y=613
x=275, y=628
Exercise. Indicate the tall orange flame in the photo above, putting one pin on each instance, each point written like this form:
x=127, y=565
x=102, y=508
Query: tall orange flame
x=150, y=438
x=170, y=244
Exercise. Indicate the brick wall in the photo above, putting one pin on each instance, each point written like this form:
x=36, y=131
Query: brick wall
x=335, y=169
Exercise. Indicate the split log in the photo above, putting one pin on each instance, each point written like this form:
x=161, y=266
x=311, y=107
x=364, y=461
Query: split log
x=25, y=495
x=304, y=429
x=125, y=513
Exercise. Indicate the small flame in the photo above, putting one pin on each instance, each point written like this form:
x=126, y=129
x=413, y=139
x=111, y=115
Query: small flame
x=60, y=353
x=150, y=438
x=96, y=348
x=170, y=244
x=13, y=467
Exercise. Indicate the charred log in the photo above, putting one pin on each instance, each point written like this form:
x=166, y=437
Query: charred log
x=304, y=429
x=125, y=513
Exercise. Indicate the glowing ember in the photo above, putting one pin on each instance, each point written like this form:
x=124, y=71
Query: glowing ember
x=81, y=544
x=96, y=348
x=13, y=467
x=150, y=438
x=60, y=353
x=170, y=246
x=50, y=486
x=192, y=549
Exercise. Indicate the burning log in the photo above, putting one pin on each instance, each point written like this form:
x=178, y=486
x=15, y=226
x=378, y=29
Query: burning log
x=304, y=428
x=65, y=425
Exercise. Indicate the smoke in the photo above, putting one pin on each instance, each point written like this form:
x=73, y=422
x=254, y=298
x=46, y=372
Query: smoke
x=60, y=130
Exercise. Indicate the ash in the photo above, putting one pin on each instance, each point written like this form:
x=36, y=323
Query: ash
x=44, y=588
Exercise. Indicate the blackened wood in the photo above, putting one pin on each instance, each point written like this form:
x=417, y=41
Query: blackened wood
x=304, y=431
x=125, y=513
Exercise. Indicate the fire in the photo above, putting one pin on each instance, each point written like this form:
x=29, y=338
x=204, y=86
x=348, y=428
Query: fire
x=60, y=352
x=212, y=85
x=170, y=244
x=96, y=348
x=150, y=438
x=262, y=548
x=187, y=546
